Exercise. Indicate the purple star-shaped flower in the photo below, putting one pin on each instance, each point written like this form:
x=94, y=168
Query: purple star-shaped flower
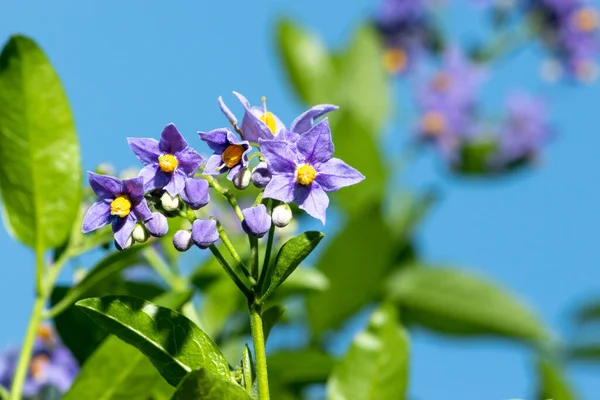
x=168, y=163
x=304, y=172
x=121, y=203
x=230, y=154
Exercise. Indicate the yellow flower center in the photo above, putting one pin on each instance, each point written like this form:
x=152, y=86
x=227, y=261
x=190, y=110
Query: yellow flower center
x=45, y=333
x=232, y=155
x=433, y=123
x=121, y=206
x=268, y=118
x=305, y=174
x=38, y=365
x=395, y=60
x=586, y=19
x=168, y=162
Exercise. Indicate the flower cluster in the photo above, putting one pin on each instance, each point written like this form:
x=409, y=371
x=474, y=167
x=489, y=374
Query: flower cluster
x=52, y=364
x=295, y=165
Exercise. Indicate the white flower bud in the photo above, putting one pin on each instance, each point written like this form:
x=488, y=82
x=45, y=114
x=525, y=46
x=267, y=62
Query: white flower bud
x=282, y=215
x=168, y=202
x=241, y=180
x=183, y=240
x=128, y=244
x=140, y=233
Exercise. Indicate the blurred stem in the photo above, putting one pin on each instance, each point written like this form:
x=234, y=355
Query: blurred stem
x=258, y=338
x=162, y=268
x=254, y=268
x=267, y=260
x=234, y=254
x=3, y=393
x=236, y=279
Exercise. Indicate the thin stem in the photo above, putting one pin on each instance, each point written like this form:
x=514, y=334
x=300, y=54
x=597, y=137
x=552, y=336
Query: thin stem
x=235, y=254
x=163, y=269
x=254, y=267
x=236, y=279
x=39, y=272
x=258, y=338
x=225, y=193
x=265, y=272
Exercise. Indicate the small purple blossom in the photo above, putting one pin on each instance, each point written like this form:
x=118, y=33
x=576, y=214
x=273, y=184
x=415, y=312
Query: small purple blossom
x=157, y=226
x=204, y=232
x=256, y=220
x=261, y=175
x=168, y=162
x=121, y=203
x=230, y=154
x=182, y=240
x=196, y=193
x=305, y=172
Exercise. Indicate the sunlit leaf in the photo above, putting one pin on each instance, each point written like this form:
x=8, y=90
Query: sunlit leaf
x=202, y=384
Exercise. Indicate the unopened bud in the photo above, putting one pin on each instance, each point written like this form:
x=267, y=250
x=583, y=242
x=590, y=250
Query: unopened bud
x=128, y=244
x=168, y=202
x=182, y=240
x=140, y=234
x=158, y=225
x=282, y=215
x=261, y=175
x=241, y=180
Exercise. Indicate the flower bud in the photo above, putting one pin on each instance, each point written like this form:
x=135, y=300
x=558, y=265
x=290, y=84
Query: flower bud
x=158, y=225
x=182, y=240
x=256, y=221
x=195, y=193
x=128, y=244
x=282, y=215
x=140, y=233
x=241, y=180
x=168, y=202
x=204, y=232
x=261, y=175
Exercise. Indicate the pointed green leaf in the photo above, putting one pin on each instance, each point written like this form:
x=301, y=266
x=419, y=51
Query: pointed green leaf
x=39, y=153
x=247, y=369
x=376, y=365
x=174, y=344
x=202, y=384
x=270, y=317
x=456, y=302
x=552, y=383
x=291, y=254
x=118, y=371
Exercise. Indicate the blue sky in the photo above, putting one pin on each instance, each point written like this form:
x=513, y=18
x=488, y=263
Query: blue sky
x=130, y=68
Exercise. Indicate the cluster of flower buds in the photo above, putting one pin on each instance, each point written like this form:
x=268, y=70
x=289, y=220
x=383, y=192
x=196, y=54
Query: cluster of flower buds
x=293, y=165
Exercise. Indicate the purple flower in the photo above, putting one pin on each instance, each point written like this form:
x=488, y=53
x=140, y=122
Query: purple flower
x=230, y=154
x=122, y=203
x=52, y=364
x=204, y=232
x=158, y=226
x=168, y=163
x=256, y=221
x=303, y=173
x=196, y=193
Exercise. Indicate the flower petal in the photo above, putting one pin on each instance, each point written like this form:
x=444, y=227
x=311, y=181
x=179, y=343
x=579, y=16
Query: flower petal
x=96, y=217
x=281, y=187
x=252, y=127
x=313, y=200
x=134, y=188
x=316, y=144
x=335, y=174
x=196, y=193
x=142, y=212
x=189, y=161
x=123, y=228
x=204, y=232
x=105, y=187
x=305, y=121
x=177, y=184
x=216, y=139
x=213, y=164
x=279, y=154
x=154, y=177
x=233, y=171
x=256, y=220
x=146, y=150
x=171, y=140
x=226, y=111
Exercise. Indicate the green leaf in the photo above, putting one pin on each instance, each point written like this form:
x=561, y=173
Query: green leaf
x=589, y=352
x=376, y=365
x=202, y=384
x=589, y=312
x=552, y=383
x=39, y=153
x=456, y=302
x=171, y=341
x=356, y=263
x=162, y=390
x=296, y=368
x=247, y=369
x=291, y=254
x=270, y=317
x=117, y=371
x=307, y=63
x=303, y=281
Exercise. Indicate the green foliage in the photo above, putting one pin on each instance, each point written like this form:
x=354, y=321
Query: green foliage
x=455, y=302
x=291, y=254
x=297, y=368
x=270, y=317
x=552, y=383
x=376, y=365
x=248, y=372
x=202, y=384
x=174, y=344
x=39, y=153
x=304, y=280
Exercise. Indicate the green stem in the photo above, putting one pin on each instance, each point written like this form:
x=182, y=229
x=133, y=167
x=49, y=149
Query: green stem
x=234, y=254
x=225, y=193
x=163, y=269
x=236, y=279
x=254, y=267
x=265, y=272
x=258, y=338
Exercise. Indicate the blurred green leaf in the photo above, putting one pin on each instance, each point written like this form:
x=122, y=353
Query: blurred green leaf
x=589, y=312
x=307, y=63
x=304, y=280
x=301, y=367
x=291, y=254
x=589, y=352
x=202, y=384
x=171, y=341
x=118, y=371
x=552, y=383
x=376, y=365
x=247, y=369
x=39, y=153
x=456, y=302
x=162, y=390
x=355, y=263
x=270, y=317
